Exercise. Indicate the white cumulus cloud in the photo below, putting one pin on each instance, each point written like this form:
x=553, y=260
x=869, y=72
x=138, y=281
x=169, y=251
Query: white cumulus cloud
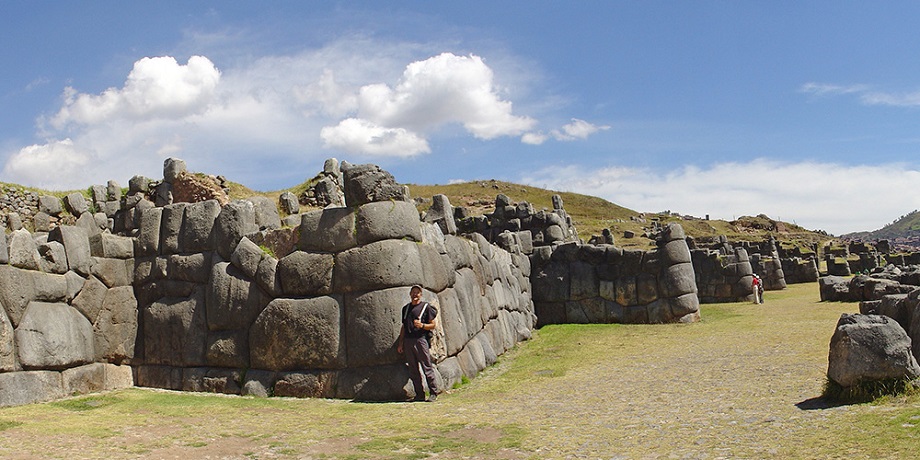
x=156, y=87
x=354, y=135
x=41, y=165
x=437, y=91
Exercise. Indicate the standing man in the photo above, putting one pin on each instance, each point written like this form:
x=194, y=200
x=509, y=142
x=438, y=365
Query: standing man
x=418, y=320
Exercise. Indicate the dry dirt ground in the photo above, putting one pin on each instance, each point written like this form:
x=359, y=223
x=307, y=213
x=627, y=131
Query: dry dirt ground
x=741, y=384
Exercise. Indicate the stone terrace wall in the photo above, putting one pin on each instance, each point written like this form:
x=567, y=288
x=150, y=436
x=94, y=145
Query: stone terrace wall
x=320, y=316
x=723, y=277
x=576, y=283
x=68, y=321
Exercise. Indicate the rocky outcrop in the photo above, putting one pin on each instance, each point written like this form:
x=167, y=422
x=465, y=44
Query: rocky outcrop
x=866, y=348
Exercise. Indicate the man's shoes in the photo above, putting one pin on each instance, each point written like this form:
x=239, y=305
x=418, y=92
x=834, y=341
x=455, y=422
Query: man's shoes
x=432, y=397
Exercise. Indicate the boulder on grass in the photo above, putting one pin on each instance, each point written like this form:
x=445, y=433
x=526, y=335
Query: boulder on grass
x=866, y=348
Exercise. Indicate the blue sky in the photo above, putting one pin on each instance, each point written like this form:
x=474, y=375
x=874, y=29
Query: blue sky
x=804, y=111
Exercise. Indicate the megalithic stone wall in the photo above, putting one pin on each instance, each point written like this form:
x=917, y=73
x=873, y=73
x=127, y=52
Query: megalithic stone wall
x=69, y=314
x=723, y=277
x=577, y=283
x=319, y=316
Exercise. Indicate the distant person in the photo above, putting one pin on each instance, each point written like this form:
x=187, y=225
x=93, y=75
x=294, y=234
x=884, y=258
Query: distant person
x=418, y=320
x=757, y=287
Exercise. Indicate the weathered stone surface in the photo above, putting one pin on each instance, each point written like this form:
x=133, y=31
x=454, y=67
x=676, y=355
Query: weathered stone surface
x=113, y=272
x=469, y=291
x=869, y=348
x=293, y=334
x=18, y=287
x=85, y=379
x=266, y=277
x=111, y=246
x=678, y=279
x=306, y=274
x=320, y=384
x=676, y=251
x=171, y=227
x=233, y=301
x=76, y=244
x=197, y=224
x=432, y=235
x=289, y=203
x=379, y=265
x=259, y=383
x=584, y=283
x=8, y=361
x=19, y=388
x=175, y=331
x=76, y=203
x=436, y=270
x=228, y=349
x=378, y=383
x=442, y=214
x=266, y=212
x=236, y=219
x=53, y=336
x=23, y=251
x=247, y=257
x=172, y=168
x=148, y=239
x=50, y=205
x=167, y=377
x=194, y=268
x=89, y=300
x=115, y=330
x=385, y=220
x=328, y=230
x=53, y=257
x=373, y=320
x=587, y=311
x=368, y=183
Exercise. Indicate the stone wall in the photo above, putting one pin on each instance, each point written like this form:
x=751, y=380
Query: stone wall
x=577, y=283
x=69, y=314
x=723, y=276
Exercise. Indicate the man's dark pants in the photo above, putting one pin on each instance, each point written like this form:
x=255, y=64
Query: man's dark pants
x=417, y=353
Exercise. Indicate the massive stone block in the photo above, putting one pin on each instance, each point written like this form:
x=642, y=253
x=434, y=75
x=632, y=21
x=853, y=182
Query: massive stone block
x=76, y=244
x=228, y=349
x=171, y=227
x=379, y=265
x=197, y=225
x=8, y=361
x=678, y=279
x=89, y=300
x=470, y=293
x=18, y=287
x=306, y=274
x=175, y=331
x=373, y=324
x=247, y=257
x=379, y=383
x=435, y=268
x=236, y=219
x=113, y=272
x=115, y=330
x=385, y=220
x=368, y=183
x=194, y=268
x=266, y=212
x=233, y=301
x=868, y=348
x=111, y=246
x=54, y=336
x=292, y=334
x=148, y=238
x=18, y=388
x=24, y=251
x=328, y=230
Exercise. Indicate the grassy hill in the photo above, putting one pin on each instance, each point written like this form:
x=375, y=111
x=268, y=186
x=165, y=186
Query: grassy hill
x=905, y=226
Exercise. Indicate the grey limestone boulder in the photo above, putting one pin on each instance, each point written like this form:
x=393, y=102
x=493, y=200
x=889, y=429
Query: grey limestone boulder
x=76, y=245
x=236, y=220
x=247, y=257
x=138, y=184
x=19, y=388
x=172, y=168
x=378, y=383
x=373, y=320
x=194, y=268
x=171, y=225
x=113, y=272
x=89, y=300
x=869, y=348
x=289, y=203
x=228, y=349
x=317, y=384
x=292, y=334
x=24, y=251
x=53, y=257
x=233, y=301
x=54, y=336
x=267, y=276
x=678, y=279
x=76, y=203
x=19, y=287
x=115, y=329
x=380, y=265
x=13, y=221
x=111, y=246
x=306, y=273
x=368, y=183
x=266, y=213
x=8, y=361
x=258, y=383
x=197, y=224
x=384, y=220
x=328, y=230
x=442, y=213
x=175, y=331
x=96, y=377
x=148, y=238
x=50, y=205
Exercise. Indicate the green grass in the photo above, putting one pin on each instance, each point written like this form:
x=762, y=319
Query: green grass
x=727, y=386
